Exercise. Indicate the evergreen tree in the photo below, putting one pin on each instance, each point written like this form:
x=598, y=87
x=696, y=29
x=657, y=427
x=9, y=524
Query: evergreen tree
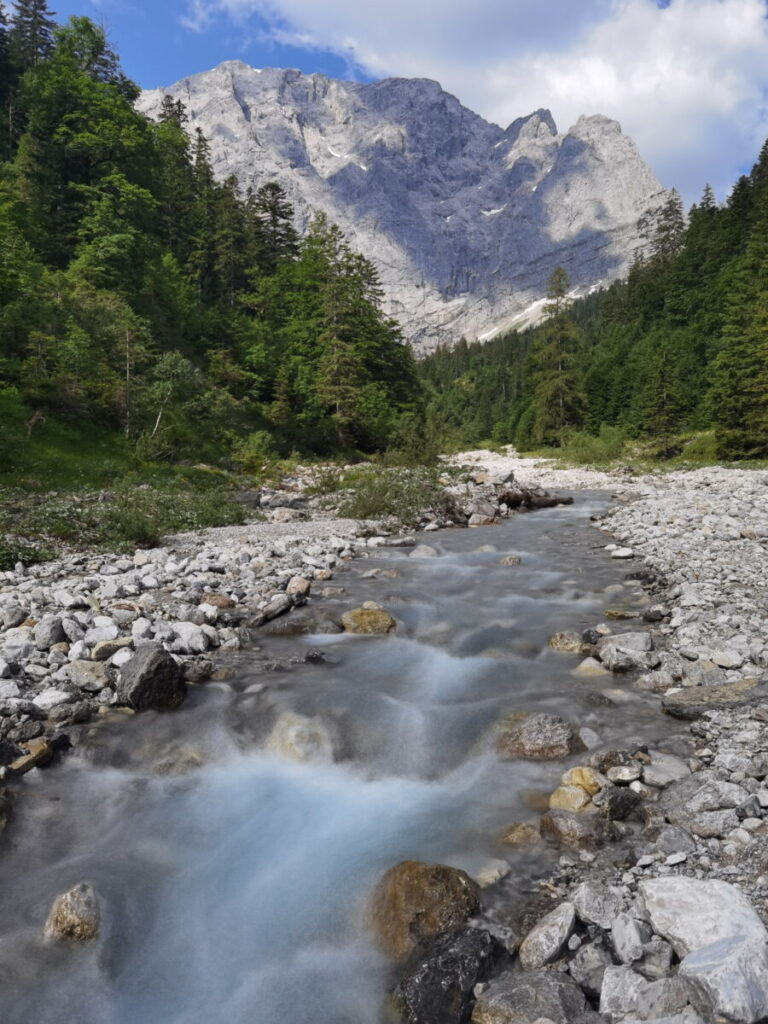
x=557, y=384
x=274, y=233
x=740, y=392
x=31, y=36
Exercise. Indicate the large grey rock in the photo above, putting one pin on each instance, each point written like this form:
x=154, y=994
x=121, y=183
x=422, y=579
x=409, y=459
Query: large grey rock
x=624, y=992
x=629, y=936
x=545, y=941
x=151, y=679
x=588, y=967
x=49, y=631
x=527, y=998
x=596, y=903
x=729, y=979
x=464, y=220
x=686, y=1016
x=627, y=652
x=703, y=804
x=692, y=914
x=663, y=769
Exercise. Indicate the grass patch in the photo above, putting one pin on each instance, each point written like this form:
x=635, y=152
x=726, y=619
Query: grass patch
x=33, y=525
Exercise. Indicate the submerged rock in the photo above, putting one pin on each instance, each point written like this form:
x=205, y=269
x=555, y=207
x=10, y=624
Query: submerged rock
x=437, y=985
x=75, y=914
x=521, y=834
x=568, y=642
x=300, y=738
x=414, y=901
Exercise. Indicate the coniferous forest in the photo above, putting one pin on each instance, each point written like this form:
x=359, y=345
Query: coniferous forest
x=142, y=297
x=190, y=319
x=680, y=346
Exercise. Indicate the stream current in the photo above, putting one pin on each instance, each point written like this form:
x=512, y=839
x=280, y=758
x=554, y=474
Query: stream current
x=235, y=892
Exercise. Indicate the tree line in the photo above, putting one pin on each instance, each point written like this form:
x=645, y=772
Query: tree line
x=140, y=294
x=680, y=345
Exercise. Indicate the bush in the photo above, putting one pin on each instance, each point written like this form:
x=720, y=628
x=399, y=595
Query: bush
x=379, y=492
x=326, y=478
x=583, y=448
x=255, y=454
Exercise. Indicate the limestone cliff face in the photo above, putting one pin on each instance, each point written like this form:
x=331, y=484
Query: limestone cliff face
x=464, y=220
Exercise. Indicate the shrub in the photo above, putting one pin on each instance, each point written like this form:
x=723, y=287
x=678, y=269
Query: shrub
x=583, y=448
x=255, y=454
x=379, y=492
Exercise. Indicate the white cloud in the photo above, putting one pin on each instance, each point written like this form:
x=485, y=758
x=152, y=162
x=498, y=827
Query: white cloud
x=687, y=81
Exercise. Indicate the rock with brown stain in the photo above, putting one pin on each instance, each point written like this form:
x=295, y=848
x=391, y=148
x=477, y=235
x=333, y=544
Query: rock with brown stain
x=368, y=621
x=414, y=901
x=75, y=915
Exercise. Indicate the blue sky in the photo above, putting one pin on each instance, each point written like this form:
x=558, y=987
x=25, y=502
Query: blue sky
x=687, y=79
x=157, y=48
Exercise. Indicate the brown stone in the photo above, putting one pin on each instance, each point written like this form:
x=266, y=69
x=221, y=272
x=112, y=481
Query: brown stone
x=568, y=642
x=217, y=600
x=104, y=649
x=75, y=915
x=39, y=751
x=587, y=778
x=368, y=621
x=521, y=834
x=414, y=901
x=569, y=798
x=693, y=702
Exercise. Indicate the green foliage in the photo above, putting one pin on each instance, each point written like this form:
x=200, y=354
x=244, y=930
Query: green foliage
x=255, y=454
x=677, y=348
x=121, y=519
x=596, y=450
x=139, y=295
x=404, y=493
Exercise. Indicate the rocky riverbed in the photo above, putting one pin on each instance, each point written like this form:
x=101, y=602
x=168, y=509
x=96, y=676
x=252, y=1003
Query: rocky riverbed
x=656, y=909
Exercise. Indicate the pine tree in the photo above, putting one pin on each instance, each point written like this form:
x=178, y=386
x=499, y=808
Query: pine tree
x=31, y=35
x=740, y=389
x=201, y=258
x=272, y=224
x=558, y=395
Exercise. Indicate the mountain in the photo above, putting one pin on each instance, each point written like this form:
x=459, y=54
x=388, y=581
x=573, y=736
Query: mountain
x=464, y=220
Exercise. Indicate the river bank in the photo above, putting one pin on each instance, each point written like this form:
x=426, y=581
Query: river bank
x=660, y=803
x=664, y=919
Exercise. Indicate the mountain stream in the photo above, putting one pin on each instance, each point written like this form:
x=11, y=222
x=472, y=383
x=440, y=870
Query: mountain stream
x=234, y=881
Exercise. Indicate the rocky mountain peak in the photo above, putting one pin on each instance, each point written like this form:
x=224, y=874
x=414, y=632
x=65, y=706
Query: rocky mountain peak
x=465, y=220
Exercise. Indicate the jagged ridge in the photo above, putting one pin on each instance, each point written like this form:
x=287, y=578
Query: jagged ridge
x=464, y=220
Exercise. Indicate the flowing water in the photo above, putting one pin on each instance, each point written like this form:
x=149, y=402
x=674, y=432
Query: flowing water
x=235, y=892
